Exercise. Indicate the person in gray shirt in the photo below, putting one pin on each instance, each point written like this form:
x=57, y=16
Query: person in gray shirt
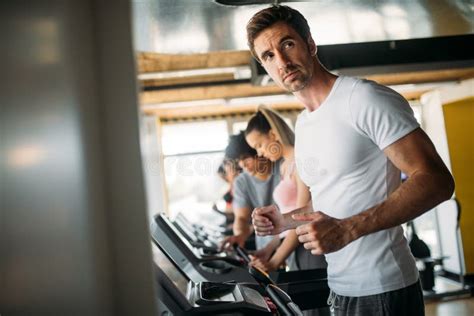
x=252, y=188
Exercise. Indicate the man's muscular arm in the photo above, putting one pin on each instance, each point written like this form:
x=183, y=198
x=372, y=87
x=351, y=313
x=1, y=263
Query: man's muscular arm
x=429, y=183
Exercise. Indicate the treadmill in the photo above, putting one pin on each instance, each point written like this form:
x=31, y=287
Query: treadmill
x=198, y=263
x=205, y=236
x=308, y=288
x=198, y=235
x=178, y=295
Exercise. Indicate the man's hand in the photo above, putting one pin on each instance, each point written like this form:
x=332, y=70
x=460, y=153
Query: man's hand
x=229, y=241
x=323, y=234
x=268, y=220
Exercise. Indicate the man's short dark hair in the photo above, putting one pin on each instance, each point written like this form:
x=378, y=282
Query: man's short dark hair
x=238, y=147
x=269, y=16
x=221, y=171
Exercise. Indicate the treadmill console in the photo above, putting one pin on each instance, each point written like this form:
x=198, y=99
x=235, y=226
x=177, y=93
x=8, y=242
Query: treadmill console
x=178, y=295
x=211, y=293
x=199, y=264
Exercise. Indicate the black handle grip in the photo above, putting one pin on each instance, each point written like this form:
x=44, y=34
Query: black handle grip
x=261, y=276
x=242, y=253
x=282, y=301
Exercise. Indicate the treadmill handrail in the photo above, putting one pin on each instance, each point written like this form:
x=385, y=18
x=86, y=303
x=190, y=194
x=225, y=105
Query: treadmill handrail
x=163, y=223
x=170, y=288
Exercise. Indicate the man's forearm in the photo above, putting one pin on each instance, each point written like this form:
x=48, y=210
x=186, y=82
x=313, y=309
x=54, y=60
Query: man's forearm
x=242, y=227
x=290, y=223
x=420, y=193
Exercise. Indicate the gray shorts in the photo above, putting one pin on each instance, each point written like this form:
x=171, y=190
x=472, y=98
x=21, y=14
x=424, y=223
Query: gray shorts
x=405, y=301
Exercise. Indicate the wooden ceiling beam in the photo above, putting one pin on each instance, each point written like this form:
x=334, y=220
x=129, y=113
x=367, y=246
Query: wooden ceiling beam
x=385, y=79
x=155, y=62
x=213, y=110
x=228, y=91
x=187, y=80
x=426, y=76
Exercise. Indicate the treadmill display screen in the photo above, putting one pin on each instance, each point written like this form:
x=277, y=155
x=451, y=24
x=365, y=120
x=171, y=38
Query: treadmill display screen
x=170, y=269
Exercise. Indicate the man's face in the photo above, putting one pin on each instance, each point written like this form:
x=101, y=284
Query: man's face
x=248, y=163
x=285, y=56
x=254, y=164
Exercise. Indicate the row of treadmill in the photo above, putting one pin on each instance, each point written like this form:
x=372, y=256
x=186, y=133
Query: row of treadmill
x=194, y=277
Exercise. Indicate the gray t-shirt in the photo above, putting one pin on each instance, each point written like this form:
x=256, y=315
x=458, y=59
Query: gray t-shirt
x=251, y=192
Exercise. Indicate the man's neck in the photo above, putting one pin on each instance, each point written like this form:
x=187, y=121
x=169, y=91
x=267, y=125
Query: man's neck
x=265, y=171
x=318, y=89
x=262, y=176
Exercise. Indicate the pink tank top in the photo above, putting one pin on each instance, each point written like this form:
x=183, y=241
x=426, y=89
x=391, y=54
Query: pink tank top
x=284, y=194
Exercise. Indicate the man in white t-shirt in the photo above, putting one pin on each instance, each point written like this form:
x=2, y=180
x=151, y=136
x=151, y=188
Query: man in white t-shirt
x=352, y=140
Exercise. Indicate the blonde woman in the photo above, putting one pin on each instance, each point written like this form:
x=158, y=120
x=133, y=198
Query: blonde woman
x=272, y=138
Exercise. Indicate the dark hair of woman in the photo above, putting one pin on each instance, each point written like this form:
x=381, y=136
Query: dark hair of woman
x=258, y=123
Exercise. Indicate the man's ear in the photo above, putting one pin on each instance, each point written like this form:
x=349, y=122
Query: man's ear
x=313, y=49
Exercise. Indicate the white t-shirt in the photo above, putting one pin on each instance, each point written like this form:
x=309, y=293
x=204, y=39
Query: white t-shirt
x=339, y=156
